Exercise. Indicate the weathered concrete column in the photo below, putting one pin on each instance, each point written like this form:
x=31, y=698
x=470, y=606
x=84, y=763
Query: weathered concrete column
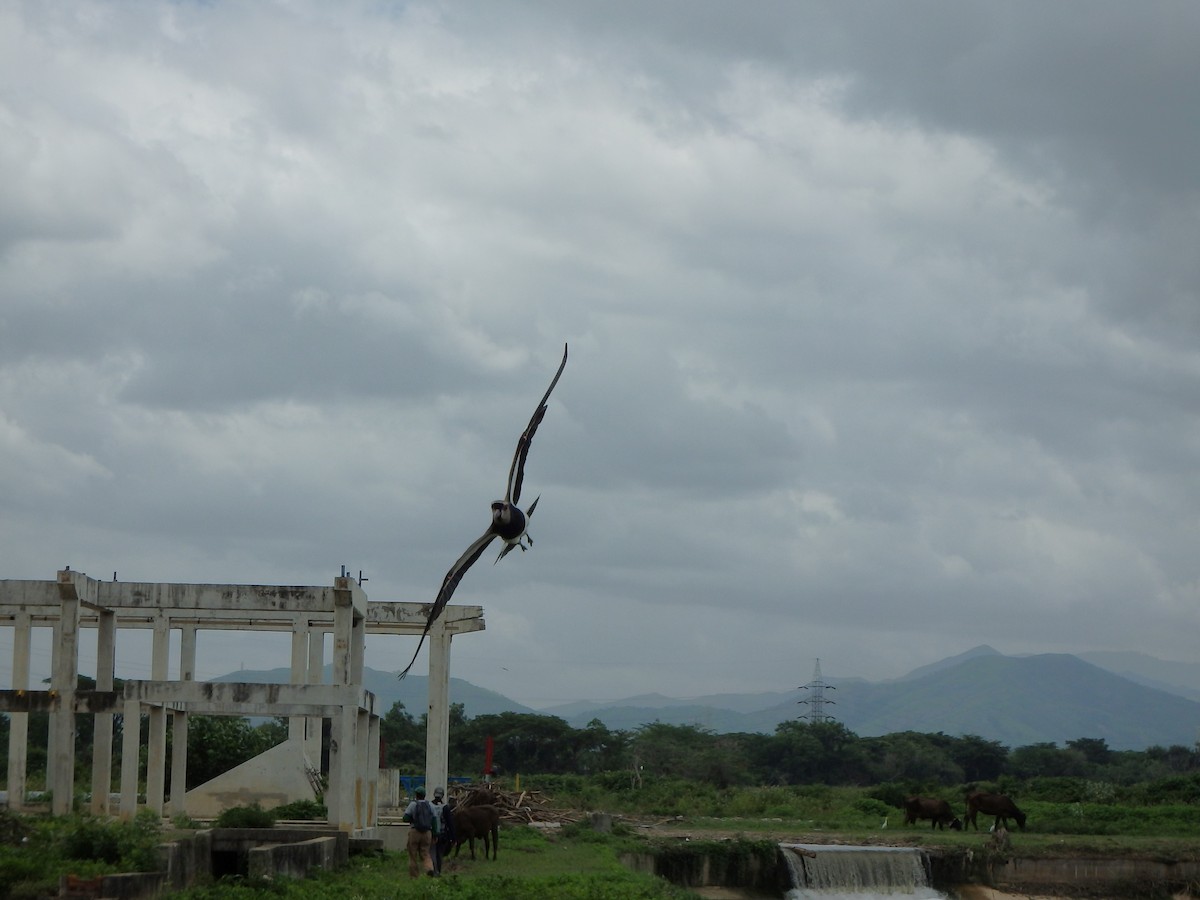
x=349, y=635
x=102, y=750
x=131, y=745
x=343, y=756
x=18, y=722
x=343, y=635
x=341, y=732
x=156, y=749
x=64, y=679
x=358, y=647
x=363, y=800
x=299, y=672
x=179, y=723
x=316, y=674
x=437, y=732
x=372, y=771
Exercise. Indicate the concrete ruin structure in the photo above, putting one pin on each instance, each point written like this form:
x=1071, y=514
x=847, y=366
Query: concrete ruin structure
x=73, y=601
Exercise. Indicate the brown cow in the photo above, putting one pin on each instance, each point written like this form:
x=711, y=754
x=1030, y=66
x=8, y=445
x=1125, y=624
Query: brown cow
x=482, y=821
x=937, y=811
x=998, y=805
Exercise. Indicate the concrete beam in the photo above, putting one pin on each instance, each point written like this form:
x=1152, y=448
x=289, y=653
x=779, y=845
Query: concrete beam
x=126, y=595
x=238, y=694
x=39, y=601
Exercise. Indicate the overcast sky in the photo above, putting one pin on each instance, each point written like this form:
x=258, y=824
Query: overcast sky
x=884, y=324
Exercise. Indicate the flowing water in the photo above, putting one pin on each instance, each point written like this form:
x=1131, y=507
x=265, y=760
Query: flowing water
x=856, y=873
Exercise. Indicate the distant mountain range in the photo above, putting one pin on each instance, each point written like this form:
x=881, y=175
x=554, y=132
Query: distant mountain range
x=1131, y=700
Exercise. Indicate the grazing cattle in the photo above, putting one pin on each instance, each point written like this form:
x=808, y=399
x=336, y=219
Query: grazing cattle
x=937, y=811
x=998, y=805
x=472, y=822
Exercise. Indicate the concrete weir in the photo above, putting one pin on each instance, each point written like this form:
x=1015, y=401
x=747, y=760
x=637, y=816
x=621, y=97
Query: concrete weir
x=758, y=869
x=821, y=868
x=198, y=858
x=1095, y=876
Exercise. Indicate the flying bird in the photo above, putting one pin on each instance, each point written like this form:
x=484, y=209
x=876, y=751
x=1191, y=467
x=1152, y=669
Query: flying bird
x=509, y=521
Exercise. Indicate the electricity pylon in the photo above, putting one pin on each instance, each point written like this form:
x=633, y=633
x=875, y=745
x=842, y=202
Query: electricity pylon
x=817, y=700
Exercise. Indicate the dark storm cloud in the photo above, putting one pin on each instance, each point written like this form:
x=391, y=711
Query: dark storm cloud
x=882, y=320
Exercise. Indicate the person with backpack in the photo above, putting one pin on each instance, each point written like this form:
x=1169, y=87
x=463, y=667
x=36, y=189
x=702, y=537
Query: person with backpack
x=422, y=830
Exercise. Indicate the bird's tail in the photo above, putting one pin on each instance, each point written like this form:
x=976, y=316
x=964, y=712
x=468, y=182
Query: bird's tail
x=420, y=644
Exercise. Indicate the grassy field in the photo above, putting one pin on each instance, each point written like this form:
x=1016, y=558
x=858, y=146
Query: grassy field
x=579, y=863
x=530, y=864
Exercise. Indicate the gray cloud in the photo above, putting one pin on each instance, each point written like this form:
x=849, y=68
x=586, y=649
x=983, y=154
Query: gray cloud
x=882, y=322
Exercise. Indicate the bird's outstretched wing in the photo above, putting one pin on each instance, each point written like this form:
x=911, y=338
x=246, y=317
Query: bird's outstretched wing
x=516, y=472
x=449, y=583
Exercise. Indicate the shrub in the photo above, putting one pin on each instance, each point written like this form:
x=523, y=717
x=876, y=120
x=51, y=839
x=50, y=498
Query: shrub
x=124, y=846
x=892, y=793
x=21, y=874
x=1173, y=789
x=301, y=809
x=92, y=839
x=13, y=829
x=1100, y=792
x=1057, y=789
x=872, y=807
x=779, y=802
x=252, y=816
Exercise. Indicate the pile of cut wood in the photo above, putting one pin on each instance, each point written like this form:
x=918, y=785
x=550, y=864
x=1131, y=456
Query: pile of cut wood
x=524, y=807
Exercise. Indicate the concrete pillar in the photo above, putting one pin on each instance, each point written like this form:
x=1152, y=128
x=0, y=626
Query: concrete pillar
x=343, y=633
x=131, y=745
x=437, y=732
x=316, y=673
x=18, y=722
x=299, y=673
x=64, y=679
x=339, y=798
x=179, y=723
x=372, y=771
x=52, y=720
x=156, y=749
x=358, y=647
x=343, y=756
x=361, y=730
x=102, y=749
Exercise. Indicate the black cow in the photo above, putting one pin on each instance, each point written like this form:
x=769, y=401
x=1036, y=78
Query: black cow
x=938, y=812
x=482, y=821
x=998, y=805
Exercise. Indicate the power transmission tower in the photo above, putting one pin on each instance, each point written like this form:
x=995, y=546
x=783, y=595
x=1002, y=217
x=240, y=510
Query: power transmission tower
x=817, y=700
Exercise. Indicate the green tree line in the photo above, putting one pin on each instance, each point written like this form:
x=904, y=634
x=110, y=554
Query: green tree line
x=797, y=753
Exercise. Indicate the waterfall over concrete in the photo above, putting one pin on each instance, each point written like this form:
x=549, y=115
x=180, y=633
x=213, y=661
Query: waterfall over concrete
x=856, y=873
